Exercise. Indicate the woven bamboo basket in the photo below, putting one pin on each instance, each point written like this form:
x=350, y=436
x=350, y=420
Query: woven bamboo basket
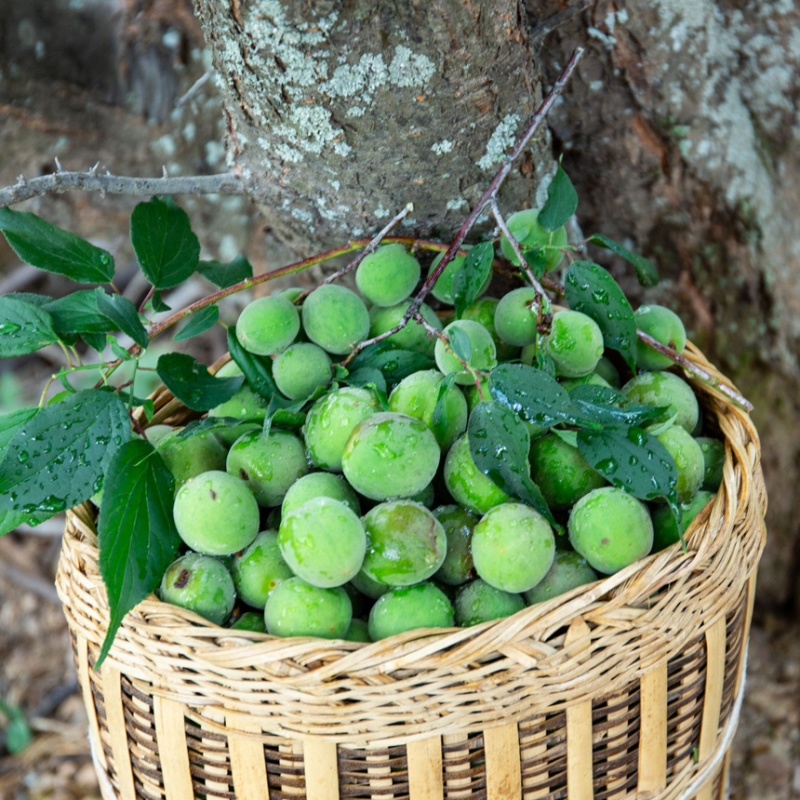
x=626, y=688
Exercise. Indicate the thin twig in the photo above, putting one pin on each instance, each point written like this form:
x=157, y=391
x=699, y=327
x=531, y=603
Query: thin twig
x=92, y=181
x=547, y=26
x=690, y=366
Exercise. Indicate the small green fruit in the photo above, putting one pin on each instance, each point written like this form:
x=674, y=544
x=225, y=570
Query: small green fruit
x=468, y=486
x=320, y=484
x=335, y=318
x=259, y=568
x=297, y=608
x=409, y=608
x=413, y=336
x=666, y=327
x=515, y=318
x=201, y=584
x=482, y=355
x=478, y=602
x=528, y=231
x=575, y=343
x=388, y=276
x=688, y=458
x=665, y=390
x=568, y=571
x=301, y=369
x=561, y=472
x=444, y=288
x=268, y=325
x=458, y=524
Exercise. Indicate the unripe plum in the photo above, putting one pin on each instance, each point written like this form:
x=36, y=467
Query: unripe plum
x=575, y=343
x=367, y=586
x=688, y=458
x=269, y=464
x=713, y=462
x=417, y=396
x=444, y=289
x=268, y=325
x=323, y=541
x=513, y=546
x=301, y=369
x=250, y=621
x=390, y=456
x=483, y=356
x=216, y=513
x=331, y=420
x=296, y=608
x=335, y=318
x=388, y=276
x=568, y=571
x=458, y=524
x=478, y=602
x=515, y=317
x=358, y=631
x=468, y=486
x=408, y=608
x=406, y=544
x=259, y=568
x=483, y=312
x=561, y=472
x=413, y=336
x=320, y=484
x=667, y=390
x=666, y=529
x=187, y=457
x=610, y=528
x=528, y=231
x=665, y=326
x=199, y=583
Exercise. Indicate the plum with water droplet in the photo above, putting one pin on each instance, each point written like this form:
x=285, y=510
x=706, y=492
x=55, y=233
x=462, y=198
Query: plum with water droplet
x=568, y=571
x=268, y=325
x=199, y=583
x=458, y=524
x=530, y=233
x=413, y=336
x=467, y=485
x=335, y=318
x=478, y=602
x=515, y=318
x=320, y=484
x=665, y=390
x=296, y=608
x=561, y=472
x=388, y=276
x=482, y=355
x=408, y=608
x=688, y=457
x=666, y=327
x=259, y=568
x=575, y=343
x=301, y=369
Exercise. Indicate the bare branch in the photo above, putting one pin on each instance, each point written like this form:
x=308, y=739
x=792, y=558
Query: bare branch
x=91, y=181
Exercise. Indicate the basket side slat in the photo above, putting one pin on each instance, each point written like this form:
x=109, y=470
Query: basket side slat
x=322, y=769
x=425, y=769
x=117, y=731
x=503, y=771
x=173, y=753
x=712, y=702
x=653, y=732
x=579, y=727
x=248, y=764
x=85, y=681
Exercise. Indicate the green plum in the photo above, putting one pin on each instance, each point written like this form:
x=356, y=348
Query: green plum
x=478, y=601
x=688, y=457
x=666, y=529
x=713, y=462
x=320, y=484
x=296, y=608
x=483, y=311
x=413, y=336
x=561, y=472
x=390, y=456
x=259, y=568
x=388, y=276
x=331, y=420
x=323, y=541
x=513, y=546
x=367, y=586
x=268, y=325
x=335, y=318
x=301, y=369
x=515, y=318
x=666, y=327
x=249, y=621
x=408, y=608
x=575, y=343
x=418, y=394
x=568, y=571
x=201, y=584
x=610, y=529
x=358, y=631
x=269, y=463
x=481, y=355
x=666, y=390
x=458, y=524
x=406, y=544
x=216, y=513
x=186, y=457
x=444, y=290
x=528, y=231
x=468, y=486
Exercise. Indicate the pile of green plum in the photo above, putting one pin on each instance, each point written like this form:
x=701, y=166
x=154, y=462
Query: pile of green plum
x=346, y=502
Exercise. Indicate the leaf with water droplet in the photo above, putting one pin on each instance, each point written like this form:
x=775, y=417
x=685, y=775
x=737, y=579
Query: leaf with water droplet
x=12, y=422
x=47, y=247
x=499, y=443
x=562, y=202
x=584, y=283
x=41, y=470
x=392, y=362
x=632, y=460
x=24, y=328
x=472, y=276
x=123, y=314
x=611, y=408
x=136, y=531
x=193, y=384
x=646, y=270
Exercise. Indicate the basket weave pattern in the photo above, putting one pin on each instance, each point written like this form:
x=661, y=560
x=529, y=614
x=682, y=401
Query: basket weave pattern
x=626, y=688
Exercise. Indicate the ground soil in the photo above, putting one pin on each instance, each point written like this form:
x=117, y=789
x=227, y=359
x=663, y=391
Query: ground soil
x=37, y=675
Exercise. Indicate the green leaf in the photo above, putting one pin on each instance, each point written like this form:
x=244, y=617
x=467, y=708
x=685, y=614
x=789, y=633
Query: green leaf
x=562, y=202
x=226, y=275
x=199, y=323
x=78, y=313
x=164, y=243
x=158, y=304
x=393, y=363
x=472, y=276
x=367, y=376
x=500, y=443
x=136, y=531
x=24, y=328
x=533, y=394
x=33, y=298
x=633, y=461
x=18, y=733
x=193, y=384
x=257, y=372
x=646, y=270
x=12, y=422
x=52, y=249
x=592, y=290
x=58, y=458
x=213, y=424
x=611, y=408
x=122, y=312
x=439, y=420
x=460, y=343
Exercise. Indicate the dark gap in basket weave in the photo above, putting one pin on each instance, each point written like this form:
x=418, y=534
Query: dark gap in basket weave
x=686, y=683
x=543, y=752
x=615, y=757
x=285, y=773
x=139, y=716
x=389, y=766
x=734, y=642
x=209, y=762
